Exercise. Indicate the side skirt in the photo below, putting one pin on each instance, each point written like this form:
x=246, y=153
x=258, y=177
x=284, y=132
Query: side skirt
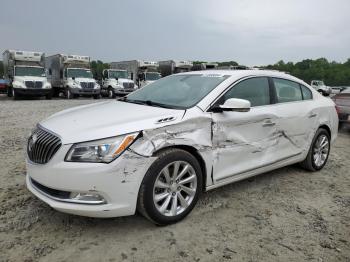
x=257, y=171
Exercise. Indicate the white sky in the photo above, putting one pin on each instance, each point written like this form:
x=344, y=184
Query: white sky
x=252, y=32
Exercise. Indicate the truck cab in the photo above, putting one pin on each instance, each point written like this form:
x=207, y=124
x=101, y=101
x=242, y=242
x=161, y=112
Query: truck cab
x=71, y=75
x=116, y=82
x=321, y=87
x=146, y=78
x=26, y=74
x=80, y=82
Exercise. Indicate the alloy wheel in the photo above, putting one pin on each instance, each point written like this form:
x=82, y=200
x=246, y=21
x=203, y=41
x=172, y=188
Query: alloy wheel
x=175, y=188
x=320, y=150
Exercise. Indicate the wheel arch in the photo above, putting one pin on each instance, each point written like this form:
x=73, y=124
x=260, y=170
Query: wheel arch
x=194, y=152
x=327, y=128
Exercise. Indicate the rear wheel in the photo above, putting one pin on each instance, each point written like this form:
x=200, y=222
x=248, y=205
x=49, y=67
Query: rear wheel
x=319, y=151
x=171, y=187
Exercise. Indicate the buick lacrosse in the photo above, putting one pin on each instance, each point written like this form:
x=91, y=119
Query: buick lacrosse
x=158, y=148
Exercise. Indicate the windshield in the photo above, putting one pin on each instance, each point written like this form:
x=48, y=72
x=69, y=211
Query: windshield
x=152, y=76
x=117, y=74
x=78, y=72
x=178, y=91
x=29, y=71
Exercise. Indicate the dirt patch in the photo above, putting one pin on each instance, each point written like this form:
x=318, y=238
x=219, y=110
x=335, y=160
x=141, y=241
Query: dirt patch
x=285, y=215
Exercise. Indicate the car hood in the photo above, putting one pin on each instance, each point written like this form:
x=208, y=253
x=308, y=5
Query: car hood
x=107, y=119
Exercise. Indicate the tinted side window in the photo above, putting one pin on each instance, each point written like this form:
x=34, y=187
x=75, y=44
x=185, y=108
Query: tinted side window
x=287, y=91
x=256, y=90
x=307, y=95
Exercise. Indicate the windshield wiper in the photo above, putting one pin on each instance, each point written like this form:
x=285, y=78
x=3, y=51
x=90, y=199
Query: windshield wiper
x=147, y=102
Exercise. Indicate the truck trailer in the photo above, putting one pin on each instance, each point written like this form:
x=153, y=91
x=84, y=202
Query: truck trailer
x=71, y=75
x=204, y=66
x=170, y=67
x=25, y=74
x=116, y=82
x=141, y=72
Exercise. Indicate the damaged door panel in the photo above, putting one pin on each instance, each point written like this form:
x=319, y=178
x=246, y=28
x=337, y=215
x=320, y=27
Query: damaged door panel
x=242, y=141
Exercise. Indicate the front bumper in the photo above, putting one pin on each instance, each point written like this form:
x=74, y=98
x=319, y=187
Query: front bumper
x=85, y=91
x=123, y=91
x=33, y=91
x=118, y=183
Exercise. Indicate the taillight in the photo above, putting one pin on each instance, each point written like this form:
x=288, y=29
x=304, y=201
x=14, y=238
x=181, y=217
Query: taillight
x=337, y=109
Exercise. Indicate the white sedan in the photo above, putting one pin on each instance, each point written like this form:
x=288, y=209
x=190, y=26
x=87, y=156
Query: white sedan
x=158, y=148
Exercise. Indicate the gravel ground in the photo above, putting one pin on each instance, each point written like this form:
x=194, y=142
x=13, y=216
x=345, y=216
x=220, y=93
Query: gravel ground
x=285, y=215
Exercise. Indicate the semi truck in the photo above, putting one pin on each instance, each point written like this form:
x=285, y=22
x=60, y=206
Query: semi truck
x=116, y=82
x=141, y=72
x=71, y=75
x=25, y=74
x=170, y=67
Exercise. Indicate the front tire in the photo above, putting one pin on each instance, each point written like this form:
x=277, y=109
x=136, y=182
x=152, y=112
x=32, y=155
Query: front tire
x=49, y=96
x=15, y=95
x=111, y=93
x=171, y=187
x=319, y=151
x=10, y=91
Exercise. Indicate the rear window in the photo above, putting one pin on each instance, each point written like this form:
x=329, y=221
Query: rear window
x=287, y=91
x=307, y=94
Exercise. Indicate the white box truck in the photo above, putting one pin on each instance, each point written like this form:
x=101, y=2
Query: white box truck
x=170, y=67
x=25, y=74
x=142, y=72
x=116, y=82
x=71, y=75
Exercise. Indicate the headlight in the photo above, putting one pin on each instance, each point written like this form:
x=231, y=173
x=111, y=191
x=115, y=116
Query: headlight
x=100, y=151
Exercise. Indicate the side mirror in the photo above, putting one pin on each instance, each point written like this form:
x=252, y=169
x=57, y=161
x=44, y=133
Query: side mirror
x=233, y=104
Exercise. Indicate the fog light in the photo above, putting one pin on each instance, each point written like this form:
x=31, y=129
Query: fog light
x=87, y=198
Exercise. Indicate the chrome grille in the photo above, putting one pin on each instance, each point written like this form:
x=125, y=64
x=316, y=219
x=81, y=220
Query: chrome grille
x=38, y=84
x=29, y=84
x=34, y=84
x=87, y=84
x=128, y=85
x=42, y=146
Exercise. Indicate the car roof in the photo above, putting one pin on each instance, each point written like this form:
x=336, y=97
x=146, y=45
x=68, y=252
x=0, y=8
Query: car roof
x=237, y=74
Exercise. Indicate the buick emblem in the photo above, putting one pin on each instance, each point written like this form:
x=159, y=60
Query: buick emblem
x=32, y=141
x=34, y=138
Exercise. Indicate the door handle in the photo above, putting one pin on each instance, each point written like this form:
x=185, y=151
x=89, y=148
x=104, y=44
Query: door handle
x=268, y=123
x=312, y=115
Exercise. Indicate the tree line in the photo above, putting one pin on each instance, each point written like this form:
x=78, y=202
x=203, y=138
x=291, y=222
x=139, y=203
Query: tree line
x=332, y=73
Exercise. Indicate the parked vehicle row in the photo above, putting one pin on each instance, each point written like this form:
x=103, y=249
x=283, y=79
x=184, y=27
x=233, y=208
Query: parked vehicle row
x=32, y=74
